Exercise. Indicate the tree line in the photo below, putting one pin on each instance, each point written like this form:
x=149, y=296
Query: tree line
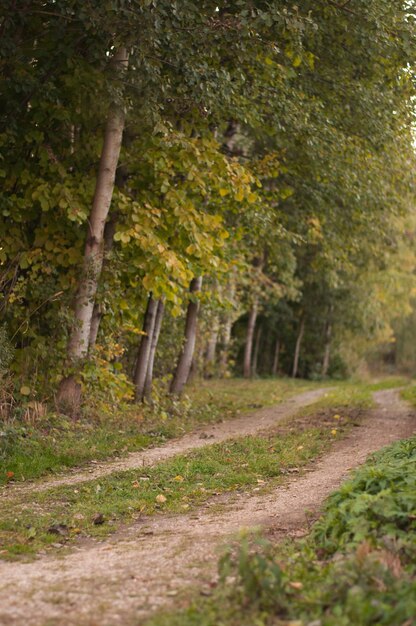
x=201, y=187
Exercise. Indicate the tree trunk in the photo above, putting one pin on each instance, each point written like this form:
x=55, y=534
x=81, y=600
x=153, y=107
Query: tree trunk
x=256, y=351
x=97, y=313
x=297, y=348
x=95, y=325
x=327, y=351
x=185, y=359
x=211, y=349
x=248, y=349
x=226, y=340
x=142, y=360
x=276, y=357
x=94, y=248
x=227, y=325
x=153, y=345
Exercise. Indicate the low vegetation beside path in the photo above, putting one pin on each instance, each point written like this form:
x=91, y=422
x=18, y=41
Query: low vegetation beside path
x=358, y=566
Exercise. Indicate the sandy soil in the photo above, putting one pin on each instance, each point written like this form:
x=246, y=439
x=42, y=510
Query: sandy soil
x=248, y=424
x=122, y=580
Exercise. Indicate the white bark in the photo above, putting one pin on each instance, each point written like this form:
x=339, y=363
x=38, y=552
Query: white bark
x=94, y=247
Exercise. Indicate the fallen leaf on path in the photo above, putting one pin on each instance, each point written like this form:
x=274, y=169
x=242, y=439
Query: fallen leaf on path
x=296, y=585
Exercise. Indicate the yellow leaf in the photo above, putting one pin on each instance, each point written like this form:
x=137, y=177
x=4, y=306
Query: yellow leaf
x=336, y=417
x=25, y=390
x=224, y=192
x=179, y=478
x=334, y=431
x=160, y=498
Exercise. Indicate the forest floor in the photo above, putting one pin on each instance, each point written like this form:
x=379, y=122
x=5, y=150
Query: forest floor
x=153, y=562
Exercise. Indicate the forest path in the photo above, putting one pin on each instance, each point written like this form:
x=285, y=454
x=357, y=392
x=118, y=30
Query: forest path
x=247, y=424
x=123, y=580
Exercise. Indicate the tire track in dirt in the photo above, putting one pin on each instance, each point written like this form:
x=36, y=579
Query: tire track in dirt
x=247, y=424
x=142, y=568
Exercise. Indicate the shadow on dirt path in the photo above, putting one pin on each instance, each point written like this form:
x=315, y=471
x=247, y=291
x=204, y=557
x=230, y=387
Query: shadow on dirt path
x=123, y=580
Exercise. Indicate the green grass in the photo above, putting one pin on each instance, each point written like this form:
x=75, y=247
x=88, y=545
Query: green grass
x=54, y=443
x=409, y=394
x=357, y=567
x=181, y=483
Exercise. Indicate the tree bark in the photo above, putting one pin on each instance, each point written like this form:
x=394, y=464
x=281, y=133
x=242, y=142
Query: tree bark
x=94, y=248
x=211, y=349
x=327, y=351
x=95, y=325
x=185, y=359
x=226, y=340
x=248, y=348
x=256, y=351
x=153, y=345
x=97, y=313
x=142, y=360
x=227, y=325
x=276, y=357
x=297, y=347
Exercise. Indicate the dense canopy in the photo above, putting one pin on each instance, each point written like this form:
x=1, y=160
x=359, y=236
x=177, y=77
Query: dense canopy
x=245, y=169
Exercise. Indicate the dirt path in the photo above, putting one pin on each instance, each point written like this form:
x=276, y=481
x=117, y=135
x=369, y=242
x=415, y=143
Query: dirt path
x=247, y=424
x=122, y=580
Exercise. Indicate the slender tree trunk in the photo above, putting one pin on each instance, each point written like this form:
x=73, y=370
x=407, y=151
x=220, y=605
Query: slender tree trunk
x=69, y=392
x=276, y=357
x=142, y=360
x=327, y=350
x=227, y=326
x=256, y=351
x=248, y=349
x=97, y=313
x=297, y=347
x=211, y=349
x=185, y=359
x=226, y=340
x=153, y=345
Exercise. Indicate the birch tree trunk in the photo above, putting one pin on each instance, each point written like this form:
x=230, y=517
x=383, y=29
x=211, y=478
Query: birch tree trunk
x=256, y=351
x=153, y=345
x=226, y=340
x=327, y=351
x=69, y=393
x=185, y=359
x=97, y=313
x=211, y=349
x=227, y=325
x=248, y=348
x=297, y=348
x=142, y=361
x=276, y=357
